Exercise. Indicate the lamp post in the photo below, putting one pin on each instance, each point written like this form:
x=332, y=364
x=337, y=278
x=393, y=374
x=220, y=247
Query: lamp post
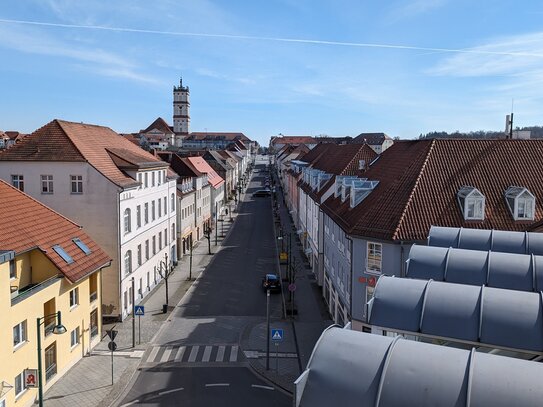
x=57, y=330
x=165, y=275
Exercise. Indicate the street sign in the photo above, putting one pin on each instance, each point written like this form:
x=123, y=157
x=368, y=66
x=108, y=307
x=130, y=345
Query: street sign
x=31, y=377
x=292, y=287
x=372, y=281
x=277, y=335
x=112, y=346
x=139, y=310
x=112, y=334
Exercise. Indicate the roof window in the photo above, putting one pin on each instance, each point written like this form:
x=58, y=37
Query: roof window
x=62, y=253
x=82, y=246
x=472, y=203
x=521, y=203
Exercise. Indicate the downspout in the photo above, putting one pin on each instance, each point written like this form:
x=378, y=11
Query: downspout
x=402, y=262
x=351, y=277
x=119, y=271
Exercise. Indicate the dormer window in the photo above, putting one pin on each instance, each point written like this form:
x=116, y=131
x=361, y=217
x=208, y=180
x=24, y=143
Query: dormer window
x=472, y=203
x=521, y=203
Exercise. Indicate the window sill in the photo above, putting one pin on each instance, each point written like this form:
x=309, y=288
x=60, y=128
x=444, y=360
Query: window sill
x=373, y=272
x=72, y=307
x=19, y=346
x=21, y=394
x=74, y=346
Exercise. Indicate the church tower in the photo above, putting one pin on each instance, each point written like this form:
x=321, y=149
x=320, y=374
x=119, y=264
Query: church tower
x=181, y=116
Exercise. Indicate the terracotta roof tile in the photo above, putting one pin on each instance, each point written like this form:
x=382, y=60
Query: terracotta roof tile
x=218, y=136
x=371, y=138
x=160, y=125
x=26, y=224
x=419, y=182
x=67, y=141
x=201, y=165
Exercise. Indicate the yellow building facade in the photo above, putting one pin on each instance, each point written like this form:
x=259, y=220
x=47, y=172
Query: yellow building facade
x=45, y=291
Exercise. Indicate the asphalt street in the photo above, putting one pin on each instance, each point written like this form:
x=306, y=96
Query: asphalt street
x=195, y=360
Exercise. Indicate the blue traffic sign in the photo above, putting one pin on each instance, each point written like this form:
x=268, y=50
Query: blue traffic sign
x=139, y=310
x=277, y=335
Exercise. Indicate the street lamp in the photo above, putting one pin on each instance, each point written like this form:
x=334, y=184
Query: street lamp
x=58, y=329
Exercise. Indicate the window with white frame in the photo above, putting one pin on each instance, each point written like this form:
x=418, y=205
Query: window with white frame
x=76, y=184
x=147, y=249
x=18, y=182
x=140, y=181
x=146, y=180
x=127, y=221
x=153, y=179
x=146, y=213
x=128, y=262
x=165, y=205
x=74, y=297
x=139, y=255
x=19, y=382
x=160, y=240
x=74, y=337
x=19, y=333
x=369, y=293
x=374, y=257
x=472, y=203
x=159, y=208
x=154, y=245
x=165, y=237
x=172, y=203
x=46, y=184
x=173, y=231
x=521, y=203
x=152, y=210
x=12, y=269
x=138, y=216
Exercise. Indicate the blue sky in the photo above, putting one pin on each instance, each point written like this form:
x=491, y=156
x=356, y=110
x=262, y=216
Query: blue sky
x=312, y=67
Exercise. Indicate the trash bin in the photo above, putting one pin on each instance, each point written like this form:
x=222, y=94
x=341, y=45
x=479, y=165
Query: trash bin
x=164, y=308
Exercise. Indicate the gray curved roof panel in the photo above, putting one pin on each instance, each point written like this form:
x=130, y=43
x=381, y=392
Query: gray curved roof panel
x=349, y=368
x=390, y=301
x=473, y=267
x=467, y=267
x=429, y=264
x=512, y=319
x=407, y=366
x=493, y=317
x=483, y=239
x=511, y=271
x=452, y=310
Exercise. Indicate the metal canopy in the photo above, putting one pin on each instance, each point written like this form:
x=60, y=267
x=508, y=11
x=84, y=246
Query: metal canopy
x=492, y=317
x=349, y=368
x=482, y=239
x=494, y=269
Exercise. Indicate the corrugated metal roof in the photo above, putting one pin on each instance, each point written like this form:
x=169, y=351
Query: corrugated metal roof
x=349, y=368
x=490, y=316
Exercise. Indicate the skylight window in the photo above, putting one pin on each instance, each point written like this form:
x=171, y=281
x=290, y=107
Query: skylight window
x=472, y=203
x=62, y=253
x=82, y=246
x=521, y=203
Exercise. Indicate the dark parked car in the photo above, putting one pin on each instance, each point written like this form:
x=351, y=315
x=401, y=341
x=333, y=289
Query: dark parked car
x=271, y=282
x=262, y=192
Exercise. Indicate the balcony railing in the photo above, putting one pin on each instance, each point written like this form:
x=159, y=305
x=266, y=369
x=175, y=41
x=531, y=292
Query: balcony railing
x=25, y=292
x=50, y=371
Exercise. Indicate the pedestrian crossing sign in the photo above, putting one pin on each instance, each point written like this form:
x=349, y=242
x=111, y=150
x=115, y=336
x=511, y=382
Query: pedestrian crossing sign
x=277, y=335
x=139, y=310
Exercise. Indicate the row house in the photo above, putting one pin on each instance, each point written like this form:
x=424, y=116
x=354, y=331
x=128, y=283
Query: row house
x=216, y=182
x=194, y=201
x=370, y=223
x=215, y=141
x=286, y=155
x=124, y=197
x=317, y=184
x=278, y=142
x=225, y=167
x=159, y=135
x=50, y=291
x=234, y=161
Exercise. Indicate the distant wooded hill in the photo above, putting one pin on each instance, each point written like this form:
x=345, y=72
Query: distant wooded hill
x=537, y=132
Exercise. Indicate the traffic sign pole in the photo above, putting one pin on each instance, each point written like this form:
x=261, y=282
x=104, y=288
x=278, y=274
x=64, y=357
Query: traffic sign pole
x=139, y=329
x=268, y=330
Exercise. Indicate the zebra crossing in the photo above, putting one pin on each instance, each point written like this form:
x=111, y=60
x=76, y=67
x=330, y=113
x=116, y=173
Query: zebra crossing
x=193, y=354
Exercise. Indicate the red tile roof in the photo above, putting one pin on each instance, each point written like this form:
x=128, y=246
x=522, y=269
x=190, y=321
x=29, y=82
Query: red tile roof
x=26, y=224
x=293, y=140
x=67, y=141
x=201, y=165
x=419, y=182
x=160, y=125
x=218, y=136
x=371, y=138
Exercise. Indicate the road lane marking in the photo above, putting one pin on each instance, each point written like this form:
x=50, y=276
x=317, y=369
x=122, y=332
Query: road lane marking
x=193, y=353
x=170, y=391
x=180, y=354
x=131, y=403
x=259, y=386
x=217, y=384
x=234, y=353
x=166, y=354
x=220, y=354
x=153, y=354
x=207, y=354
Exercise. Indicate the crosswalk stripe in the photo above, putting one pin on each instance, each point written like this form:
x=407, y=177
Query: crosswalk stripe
x=220, y=354
x=207, y=354
x=166, y=354
x=193, y=353
x=180, y=353
x=153, y=353
x=234, y=354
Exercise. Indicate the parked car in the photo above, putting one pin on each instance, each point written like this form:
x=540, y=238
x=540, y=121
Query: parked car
x=271, y=282
x=262, y=192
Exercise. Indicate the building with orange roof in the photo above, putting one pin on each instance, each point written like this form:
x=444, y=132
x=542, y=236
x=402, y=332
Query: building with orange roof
x=50, y=274
x=217, y=185
x=122, y=195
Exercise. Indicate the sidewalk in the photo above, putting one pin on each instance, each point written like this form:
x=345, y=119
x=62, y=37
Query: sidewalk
x=302, y=331
x=88, y=383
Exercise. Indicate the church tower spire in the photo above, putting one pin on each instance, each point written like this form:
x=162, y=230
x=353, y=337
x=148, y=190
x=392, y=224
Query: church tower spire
x=181, y=115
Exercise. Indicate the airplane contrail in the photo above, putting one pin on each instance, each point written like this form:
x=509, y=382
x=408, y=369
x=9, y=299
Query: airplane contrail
x=276, y=39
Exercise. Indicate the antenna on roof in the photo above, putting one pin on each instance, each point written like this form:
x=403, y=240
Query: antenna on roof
x=509, y=123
